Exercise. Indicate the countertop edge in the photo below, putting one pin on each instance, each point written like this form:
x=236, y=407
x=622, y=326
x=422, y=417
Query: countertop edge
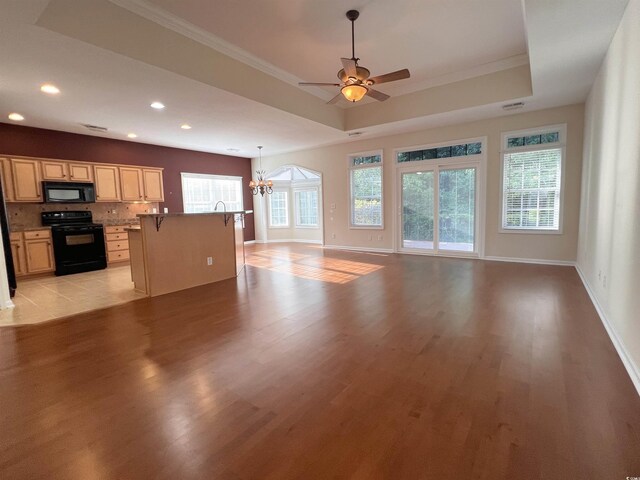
x=231, y=212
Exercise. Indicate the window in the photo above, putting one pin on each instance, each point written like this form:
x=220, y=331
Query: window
x=366, y=190
x=532, y=180
x=447, y=151
x=201, y=192
x=306, y=206
x=278, y=209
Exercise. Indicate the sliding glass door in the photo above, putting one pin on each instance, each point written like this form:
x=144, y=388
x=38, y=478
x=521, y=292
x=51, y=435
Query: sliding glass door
x=438, y=209
x=457, y=209
x=418, y=196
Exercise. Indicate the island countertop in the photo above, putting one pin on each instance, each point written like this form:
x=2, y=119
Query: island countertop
x=229, y=212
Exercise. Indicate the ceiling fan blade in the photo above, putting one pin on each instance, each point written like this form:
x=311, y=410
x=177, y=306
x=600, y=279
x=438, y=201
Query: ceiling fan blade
x=390, y=77
x=334, y=99
x=316, y=84
x=377, y=95
x=349, y=65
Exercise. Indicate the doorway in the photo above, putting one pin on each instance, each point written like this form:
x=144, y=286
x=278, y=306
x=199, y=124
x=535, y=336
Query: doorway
x=440, y=207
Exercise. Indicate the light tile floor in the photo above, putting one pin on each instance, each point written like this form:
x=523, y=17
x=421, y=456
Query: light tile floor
x=45, y=298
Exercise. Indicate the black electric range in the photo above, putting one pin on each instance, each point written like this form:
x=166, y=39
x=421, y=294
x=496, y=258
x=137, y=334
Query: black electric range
x=78, y=243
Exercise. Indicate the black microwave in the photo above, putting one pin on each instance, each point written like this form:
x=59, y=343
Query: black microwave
x=68, y=192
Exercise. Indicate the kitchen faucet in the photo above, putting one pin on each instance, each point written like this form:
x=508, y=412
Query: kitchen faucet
x=215, y=209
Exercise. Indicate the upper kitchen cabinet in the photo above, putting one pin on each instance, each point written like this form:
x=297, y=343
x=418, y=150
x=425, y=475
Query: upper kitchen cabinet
x=131, y=184
x=153, y=186
x=81, y=172
x=26, y=180
x=7, y=179
x=56, y=171
x=107, y=181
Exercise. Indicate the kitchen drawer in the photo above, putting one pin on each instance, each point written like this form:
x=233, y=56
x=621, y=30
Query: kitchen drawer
x=114, y=229
x=117, y=236
x=118, y=256
x=117, y=245
x=37, y=234
x=15, y=236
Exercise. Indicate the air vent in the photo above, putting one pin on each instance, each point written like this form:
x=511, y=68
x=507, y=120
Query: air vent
x=94, y=128
x=513, y=106
x=355, y=134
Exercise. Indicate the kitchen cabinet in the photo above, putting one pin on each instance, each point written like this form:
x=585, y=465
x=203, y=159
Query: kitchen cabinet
x=107, y=183
x=7, y=179
x=81, y=172
x=26, y=180
x=39, y=255
x=117, y=240
x=22, y=179
x=19, y=254
x=32, y=252
x=131, y=183
x=153, y=185
x=55, y=171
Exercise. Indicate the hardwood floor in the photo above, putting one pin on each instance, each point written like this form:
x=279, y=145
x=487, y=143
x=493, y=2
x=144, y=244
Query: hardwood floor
x=318, y=364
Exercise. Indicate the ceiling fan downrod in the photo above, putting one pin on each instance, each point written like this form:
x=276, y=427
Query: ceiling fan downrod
x=353, y=15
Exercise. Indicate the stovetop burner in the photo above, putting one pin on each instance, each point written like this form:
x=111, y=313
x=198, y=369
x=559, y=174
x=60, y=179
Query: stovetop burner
x=67, y=218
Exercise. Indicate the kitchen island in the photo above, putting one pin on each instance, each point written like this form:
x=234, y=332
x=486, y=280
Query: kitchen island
x=175, y=251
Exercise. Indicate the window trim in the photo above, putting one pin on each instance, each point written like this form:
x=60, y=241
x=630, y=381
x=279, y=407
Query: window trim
x=184, y=175
x=352, y=167
x=560, y=144
x=286, y=209
x=305, y=188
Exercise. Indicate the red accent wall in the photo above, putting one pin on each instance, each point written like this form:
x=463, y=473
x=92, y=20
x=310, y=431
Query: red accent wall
x=38, y=142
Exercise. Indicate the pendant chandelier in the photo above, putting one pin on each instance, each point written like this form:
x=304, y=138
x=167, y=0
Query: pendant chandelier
x=261, y=185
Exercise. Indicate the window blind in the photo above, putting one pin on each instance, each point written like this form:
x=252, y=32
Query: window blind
x=531, y=189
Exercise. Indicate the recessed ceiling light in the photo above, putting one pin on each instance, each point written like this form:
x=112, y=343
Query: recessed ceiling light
x=49, y=89
x=16, y=117
x=157, y=105
x=185, y=126
x=132, y=135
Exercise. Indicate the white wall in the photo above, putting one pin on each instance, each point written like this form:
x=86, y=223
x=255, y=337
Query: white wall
x=332, y=162
x=609, y=240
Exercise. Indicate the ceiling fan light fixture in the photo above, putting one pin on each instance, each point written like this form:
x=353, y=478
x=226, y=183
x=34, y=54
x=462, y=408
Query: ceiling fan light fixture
x=354, y=93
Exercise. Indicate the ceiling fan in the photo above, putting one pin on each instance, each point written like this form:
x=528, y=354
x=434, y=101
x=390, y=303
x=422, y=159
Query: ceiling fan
x=355, y=80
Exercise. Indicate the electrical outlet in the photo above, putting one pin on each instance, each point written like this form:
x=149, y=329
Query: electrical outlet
x=209, y=260
x=333, y=235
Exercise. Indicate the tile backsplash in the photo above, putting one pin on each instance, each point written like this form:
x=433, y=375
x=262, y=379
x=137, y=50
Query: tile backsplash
x=27, y=215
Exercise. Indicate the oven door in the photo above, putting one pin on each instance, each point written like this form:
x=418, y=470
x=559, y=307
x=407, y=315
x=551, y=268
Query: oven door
x=78, y=249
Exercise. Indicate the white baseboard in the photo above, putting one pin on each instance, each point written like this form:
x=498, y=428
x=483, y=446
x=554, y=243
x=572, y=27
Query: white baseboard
x=631, y=367
x=562, y=263
x=293, y=240
x=249, y=242
x=359, y=249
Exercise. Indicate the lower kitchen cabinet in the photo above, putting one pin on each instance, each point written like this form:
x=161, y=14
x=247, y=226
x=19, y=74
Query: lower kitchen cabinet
x=32, y=252
x=117, y=240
